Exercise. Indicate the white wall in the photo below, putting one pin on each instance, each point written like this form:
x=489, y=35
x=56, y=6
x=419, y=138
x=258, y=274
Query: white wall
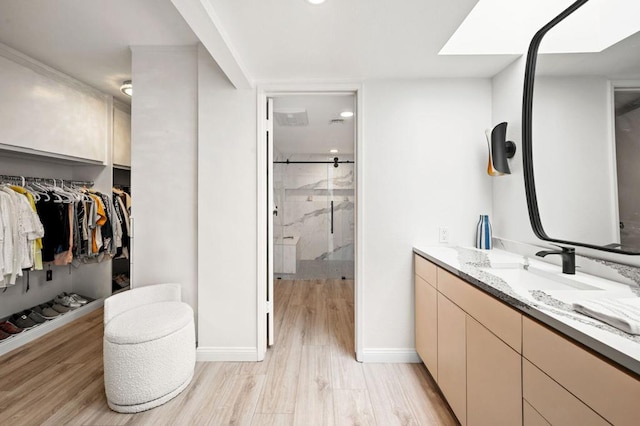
x=425, y=158
x=573, y=158
x=227, y=232
x=572, y=155
x=164, y=168
x=510, y=214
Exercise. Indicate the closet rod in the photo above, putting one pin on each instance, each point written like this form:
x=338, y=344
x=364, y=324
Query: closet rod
x=20, y=179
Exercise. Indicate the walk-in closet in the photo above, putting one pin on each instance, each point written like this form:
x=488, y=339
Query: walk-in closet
x=64, y=206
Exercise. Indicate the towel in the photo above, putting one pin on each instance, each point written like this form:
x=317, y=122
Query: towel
x=623, y=314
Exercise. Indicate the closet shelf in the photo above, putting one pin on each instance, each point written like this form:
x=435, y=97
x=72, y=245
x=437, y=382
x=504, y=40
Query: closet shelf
x=27, y=336
x=11, y=151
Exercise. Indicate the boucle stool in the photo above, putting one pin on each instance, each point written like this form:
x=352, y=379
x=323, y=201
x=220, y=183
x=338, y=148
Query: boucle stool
x=149, y=347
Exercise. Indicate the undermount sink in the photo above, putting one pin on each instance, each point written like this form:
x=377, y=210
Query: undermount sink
x=536, y=279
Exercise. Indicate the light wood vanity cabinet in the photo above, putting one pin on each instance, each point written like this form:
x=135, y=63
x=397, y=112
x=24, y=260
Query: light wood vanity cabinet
x=531, y=417
x=427, y=324
x=452, y=360
x=497, y=367
x=494, y=385
x=552, y=402
x=606, y=390
x=501, y=319
x=478, y=373
x=426, y=308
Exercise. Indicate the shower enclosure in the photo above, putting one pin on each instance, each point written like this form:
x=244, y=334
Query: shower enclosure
x=314, y=217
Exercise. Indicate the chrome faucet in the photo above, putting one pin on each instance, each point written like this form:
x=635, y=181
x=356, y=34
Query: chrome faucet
x=568, y=255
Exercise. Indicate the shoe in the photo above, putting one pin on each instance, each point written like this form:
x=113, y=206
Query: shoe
x=66, y=301
x=77, y=298
x=34, y=316
x=59, y=308
x=23, y=321
x=7, y=327
x=46, y=311
x=3, y=335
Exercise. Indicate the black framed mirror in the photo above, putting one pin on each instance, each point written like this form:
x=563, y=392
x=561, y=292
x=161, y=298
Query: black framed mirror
x=580, y=126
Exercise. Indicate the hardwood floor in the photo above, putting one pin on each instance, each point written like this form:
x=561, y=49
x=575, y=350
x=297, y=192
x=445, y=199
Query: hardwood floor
x=309, y=377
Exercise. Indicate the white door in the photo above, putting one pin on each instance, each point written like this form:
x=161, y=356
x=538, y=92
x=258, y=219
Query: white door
x=271, y=210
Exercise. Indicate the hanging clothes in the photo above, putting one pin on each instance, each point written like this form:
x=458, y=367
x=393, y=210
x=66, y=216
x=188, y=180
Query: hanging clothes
x=36, y=249
x=20, y=230
x=54, y=216
x=122, y=208
x=44, y=223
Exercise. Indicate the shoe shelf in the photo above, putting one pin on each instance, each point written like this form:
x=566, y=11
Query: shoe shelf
x=26, y=336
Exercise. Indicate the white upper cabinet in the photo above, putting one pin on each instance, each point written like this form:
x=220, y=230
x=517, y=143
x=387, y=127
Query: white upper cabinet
x=121, y=137
x=46, y=112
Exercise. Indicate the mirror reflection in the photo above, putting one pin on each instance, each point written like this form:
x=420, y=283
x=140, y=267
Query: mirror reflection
x=586, y=132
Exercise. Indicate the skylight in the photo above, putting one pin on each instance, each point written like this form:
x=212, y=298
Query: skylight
x=502, y=27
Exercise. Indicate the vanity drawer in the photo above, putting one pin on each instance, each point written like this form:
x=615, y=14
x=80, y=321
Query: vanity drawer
x=612, y=393
x=500, y=319
x=553, y=402
x=425, y=269
x=531, y=417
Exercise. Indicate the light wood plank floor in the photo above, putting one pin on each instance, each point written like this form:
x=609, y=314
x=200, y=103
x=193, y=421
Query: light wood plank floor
x=309, y=377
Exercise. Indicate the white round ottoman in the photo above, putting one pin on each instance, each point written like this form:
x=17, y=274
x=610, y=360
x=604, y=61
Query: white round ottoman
x=149, y=347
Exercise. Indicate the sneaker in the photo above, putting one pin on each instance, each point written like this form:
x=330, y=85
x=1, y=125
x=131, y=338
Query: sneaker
x=46, y=311
x=59, y=308
x=3, y=335
x=66, y=301
x=34, y=316
x=77, y=298
x=7, y=327
x=23, y=321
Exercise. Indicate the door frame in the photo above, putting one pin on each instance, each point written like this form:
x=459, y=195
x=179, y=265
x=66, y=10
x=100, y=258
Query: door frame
x=613, y=86
x=269, y=91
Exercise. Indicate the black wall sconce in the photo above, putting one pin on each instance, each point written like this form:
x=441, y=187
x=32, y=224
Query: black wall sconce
x=500, y=150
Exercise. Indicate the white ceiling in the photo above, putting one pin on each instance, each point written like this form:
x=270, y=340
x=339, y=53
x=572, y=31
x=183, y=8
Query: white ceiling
x=274, y=40
x=319, y=136
x=90, y=39
x=349, y=39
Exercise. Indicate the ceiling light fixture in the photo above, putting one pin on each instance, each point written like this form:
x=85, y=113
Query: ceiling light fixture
x=346, y=114
x=333, y=151
x=315, y=1
x=127, y=88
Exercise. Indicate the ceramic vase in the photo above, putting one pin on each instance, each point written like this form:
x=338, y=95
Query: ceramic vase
x=483, y=235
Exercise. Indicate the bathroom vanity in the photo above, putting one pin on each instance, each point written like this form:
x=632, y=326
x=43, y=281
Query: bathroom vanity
x=497, y=333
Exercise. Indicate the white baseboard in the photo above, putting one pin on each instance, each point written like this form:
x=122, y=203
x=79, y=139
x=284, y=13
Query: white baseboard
x=206, y=354
x=389, y=355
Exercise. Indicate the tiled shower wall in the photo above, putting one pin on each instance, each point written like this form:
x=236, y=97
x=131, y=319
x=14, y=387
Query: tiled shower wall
x=303, y=195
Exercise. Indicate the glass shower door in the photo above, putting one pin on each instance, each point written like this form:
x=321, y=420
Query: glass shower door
x=340, y=231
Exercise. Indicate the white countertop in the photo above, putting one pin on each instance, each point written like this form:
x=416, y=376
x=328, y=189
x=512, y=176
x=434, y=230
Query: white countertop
x=543, y=292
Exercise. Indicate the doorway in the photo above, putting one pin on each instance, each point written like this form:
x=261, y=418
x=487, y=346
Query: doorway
x=310, y=199
x=313, y=187
x=627, y=132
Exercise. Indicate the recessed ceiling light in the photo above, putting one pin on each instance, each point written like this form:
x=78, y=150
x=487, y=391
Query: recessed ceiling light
x=315, y=1
x=346, y=114
x=333, y=151
x=127, y=88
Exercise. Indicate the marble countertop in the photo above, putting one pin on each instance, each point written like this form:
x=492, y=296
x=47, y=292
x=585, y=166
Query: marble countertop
x=542, y=292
